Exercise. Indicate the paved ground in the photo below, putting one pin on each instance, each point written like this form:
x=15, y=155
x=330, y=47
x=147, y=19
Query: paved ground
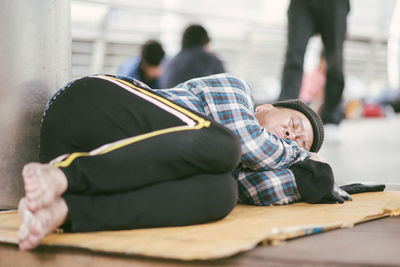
x=367, y=150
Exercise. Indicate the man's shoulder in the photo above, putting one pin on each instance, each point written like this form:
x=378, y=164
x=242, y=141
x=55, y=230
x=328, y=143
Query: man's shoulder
x=221, y=87
x=228, y=81
x=212, y=55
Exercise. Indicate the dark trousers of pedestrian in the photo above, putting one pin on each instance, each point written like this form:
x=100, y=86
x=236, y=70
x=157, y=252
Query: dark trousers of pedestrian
x=306, y=18
x=134, y=159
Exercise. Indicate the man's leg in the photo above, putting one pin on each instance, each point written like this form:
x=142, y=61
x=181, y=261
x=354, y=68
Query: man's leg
x=92, y=112
x=300, y=29
x=194, y=149
x=333, y=32
x=134, y=162
x=198, y=199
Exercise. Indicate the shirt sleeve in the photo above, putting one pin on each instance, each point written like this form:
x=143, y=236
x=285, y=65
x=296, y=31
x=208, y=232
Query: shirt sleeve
x=262, y=188
x=229, y=101
x=264, y=177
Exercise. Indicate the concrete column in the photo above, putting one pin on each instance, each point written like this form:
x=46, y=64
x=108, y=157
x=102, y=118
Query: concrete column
x=35, y=58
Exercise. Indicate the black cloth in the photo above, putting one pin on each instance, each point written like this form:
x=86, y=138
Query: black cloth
x=362, y=188
x=176, y=178
x=190, y=63
x=315, y=182
x=306, y=18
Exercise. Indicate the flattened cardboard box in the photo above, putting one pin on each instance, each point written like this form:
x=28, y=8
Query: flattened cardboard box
x=243, y=229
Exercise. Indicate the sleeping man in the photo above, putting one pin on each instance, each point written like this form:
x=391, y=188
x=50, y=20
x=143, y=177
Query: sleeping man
x=115, y=154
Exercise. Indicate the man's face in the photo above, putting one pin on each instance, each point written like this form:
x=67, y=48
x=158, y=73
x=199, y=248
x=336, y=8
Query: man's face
x=286, y=123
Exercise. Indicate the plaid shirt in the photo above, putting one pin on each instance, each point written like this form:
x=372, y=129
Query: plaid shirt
x=263, y=175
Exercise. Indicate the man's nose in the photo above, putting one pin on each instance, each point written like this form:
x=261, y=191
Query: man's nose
x=291, y=135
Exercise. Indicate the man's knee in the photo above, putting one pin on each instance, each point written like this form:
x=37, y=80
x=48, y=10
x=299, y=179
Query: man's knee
x=224, y=150
x=231, y=197
x=223, y=196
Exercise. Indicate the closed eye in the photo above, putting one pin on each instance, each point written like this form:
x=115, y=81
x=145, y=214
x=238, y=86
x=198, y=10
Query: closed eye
x=299, y=123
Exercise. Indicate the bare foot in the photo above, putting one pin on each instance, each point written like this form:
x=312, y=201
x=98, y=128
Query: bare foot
x=35, y=226
x=43, y=184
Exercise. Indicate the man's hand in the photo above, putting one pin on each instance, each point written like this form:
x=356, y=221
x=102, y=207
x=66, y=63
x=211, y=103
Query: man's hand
x=315, y=182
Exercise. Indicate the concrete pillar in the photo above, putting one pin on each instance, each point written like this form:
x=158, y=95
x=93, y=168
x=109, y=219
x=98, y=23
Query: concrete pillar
x=35, y=58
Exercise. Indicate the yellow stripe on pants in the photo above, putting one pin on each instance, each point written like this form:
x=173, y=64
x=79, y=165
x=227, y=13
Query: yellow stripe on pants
x=124, y=142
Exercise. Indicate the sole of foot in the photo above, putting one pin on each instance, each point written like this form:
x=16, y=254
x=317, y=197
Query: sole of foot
x=35, y=226
x=43, y=183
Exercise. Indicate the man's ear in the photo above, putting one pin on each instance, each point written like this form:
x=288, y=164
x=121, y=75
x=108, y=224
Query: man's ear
x=264, y=107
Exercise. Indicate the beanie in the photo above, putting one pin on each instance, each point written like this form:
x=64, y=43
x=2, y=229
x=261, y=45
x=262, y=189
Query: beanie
x=313, y=117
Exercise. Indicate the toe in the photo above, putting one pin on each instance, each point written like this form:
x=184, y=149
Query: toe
x=31, y=170
x=32, y=206
x=23, y=232
x=36, y=228
x=36, y=202
x=29, y=187
x=27, y=244
x=33, y=194
x=33, y=240
x=27, y=171
x=22, y=245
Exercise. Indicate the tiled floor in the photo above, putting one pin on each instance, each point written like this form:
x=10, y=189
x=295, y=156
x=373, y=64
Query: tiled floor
x=367, y=150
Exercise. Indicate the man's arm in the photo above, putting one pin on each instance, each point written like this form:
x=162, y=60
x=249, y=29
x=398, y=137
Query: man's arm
x=316, y=183
x=264, y=188
x=311, y=181
x=229, y=100
x=264, y=175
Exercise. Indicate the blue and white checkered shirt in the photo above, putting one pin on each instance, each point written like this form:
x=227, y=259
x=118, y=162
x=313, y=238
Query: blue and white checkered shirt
x=263, y=175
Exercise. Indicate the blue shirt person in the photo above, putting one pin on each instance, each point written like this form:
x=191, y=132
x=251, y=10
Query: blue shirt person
x=147, y=66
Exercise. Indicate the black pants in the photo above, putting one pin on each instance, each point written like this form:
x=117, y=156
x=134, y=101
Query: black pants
x=134, y=159
x=306, y=18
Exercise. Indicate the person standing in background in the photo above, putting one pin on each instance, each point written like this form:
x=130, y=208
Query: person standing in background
x=146, y=67
x=312, y=88
x=193, y=61
x=306, y=18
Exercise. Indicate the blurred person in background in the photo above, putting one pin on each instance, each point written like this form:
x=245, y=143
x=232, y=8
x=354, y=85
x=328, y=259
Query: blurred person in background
x=306, y=18
x=312, y=88
x=194, y=60
x=146, y=67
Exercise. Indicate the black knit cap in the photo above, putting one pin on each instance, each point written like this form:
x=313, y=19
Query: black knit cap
x=313, y=117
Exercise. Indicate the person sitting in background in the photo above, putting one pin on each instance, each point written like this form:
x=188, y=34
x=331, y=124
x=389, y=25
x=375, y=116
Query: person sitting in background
x=193, y=60
x=146, y=67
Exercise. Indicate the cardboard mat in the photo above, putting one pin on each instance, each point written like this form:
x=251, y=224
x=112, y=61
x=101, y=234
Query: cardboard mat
x=243, y=229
